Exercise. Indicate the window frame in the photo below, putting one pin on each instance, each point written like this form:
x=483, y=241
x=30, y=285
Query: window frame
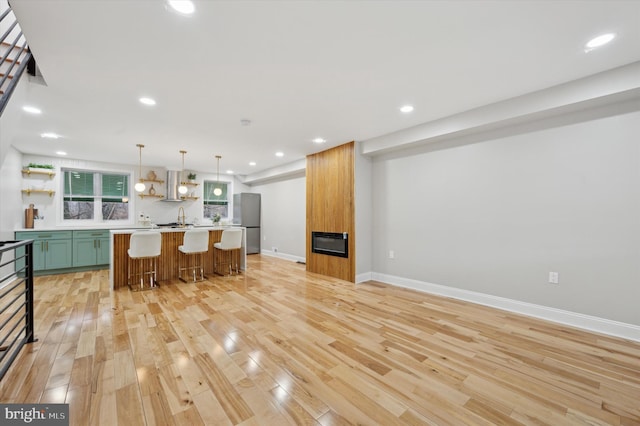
x=229, y=199
x=97, y=196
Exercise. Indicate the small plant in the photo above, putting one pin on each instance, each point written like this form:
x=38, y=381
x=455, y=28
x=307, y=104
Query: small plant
x=40, y=166
x=191, y=176
x=216, y=217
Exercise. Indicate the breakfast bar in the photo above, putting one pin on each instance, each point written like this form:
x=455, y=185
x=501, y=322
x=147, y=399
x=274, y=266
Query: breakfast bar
x=167, y=270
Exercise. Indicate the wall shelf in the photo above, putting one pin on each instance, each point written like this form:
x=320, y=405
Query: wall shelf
x=151, y=195
x=51, y=173
x=189, y=183
x=152, y=180
x=189, y=198
x=39, y=191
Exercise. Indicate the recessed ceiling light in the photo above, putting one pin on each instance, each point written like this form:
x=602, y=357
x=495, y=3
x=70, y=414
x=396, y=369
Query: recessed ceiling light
x=252, y=163
x=319, y=140
x=31, y=109
x=186, y=7
x=599, y=41
x=279, y=154
x=406, y=109
x=147, y=101
x=61, y=153
x=50, y=135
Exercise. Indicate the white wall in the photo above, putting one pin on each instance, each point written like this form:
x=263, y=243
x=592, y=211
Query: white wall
x=10, y=178
x=284, y=217
x=10, y=164
x=496, y=217
x=363, y=215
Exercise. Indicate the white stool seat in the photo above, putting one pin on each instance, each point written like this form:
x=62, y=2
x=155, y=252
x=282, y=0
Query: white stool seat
x=144, y=248
x=196, y=242
x=231, y=241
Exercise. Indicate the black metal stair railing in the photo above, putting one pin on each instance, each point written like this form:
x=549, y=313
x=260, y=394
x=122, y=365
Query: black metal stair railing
x=16, y=300
x=14, y=55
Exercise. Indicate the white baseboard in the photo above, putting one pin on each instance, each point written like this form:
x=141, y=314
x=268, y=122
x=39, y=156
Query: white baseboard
x=587, y=322
x=283, y=256
x=364, y=277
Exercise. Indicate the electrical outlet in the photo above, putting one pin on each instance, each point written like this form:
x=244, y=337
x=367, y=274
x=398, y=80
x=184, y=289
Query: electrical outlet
x=392, y=255
x=274, y=249
x=554, y=278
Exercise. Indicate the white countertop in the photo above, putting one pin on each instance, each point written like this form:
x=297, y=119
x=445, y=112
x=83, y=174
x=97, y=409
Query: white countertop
x=129, y=228
x=209, y=227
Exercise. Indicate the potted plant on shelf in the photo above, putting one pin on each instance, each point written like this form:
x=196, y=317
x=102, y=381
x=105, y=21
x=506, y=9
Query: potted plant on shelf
x=216, y=218
x=192, y=177
x=40, y=167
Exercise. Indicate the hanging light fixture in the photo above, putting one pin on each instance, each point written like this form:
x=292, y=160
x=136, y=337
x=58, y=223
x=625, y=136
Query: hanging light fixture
x=125, y=199
x=140, y=185
x=182, y=188
x=218, y=191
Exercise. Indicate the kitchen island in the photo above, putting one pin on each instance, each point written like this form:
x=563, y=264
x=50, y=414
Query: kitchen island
x=168, y=261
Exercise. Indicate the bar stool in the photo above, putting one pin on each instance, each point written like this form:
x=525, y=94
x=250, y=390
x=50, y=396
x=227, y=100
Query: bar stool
x=195, y=245
x=144, y=249
x=230, y=244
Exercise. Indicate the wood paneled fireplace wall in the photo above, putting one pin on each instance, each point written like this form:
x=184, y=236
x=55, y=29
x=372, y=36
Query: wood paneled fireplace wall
x=331, y=208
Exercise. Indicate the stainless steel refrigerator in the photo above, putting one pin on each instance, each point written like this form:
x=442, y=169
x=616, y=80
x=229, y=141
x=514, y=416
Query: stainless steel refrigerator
x=246, y=212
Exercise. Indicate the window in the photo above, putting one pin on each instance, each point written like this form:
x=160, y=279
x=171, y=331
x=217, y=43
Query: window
x=95, y=196
x=215, y=203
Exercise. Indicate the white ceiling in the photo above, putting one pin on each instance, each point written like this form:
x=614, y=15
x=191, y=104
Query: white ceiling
x=297, y=69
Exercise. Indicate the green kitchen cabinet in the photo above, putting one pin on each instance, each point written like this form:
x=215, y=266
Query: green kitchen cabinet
x=91, y=247
x=51, y=249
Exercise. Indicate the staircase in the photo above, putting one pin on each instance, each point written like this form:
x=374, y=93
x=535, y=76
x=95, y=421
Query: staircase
x=14, y=55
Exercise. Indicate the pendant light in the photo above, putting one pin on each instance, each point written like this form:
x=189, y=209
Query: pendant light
x=218, y=191
x=125, y=198
x=140, y=185
x=182, y=188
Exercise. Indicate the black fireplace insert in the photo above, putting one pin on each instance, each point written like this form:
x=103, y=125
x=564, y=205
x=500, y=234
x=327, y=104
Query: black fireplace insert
x=330, y=243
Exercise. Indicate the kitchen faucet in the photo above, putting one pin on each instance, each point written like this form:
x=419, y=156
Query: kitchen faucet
x=181, y=218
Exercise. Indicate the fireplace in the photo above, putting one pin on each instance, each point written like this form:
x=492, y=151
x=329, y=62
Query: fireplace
x=330, y=243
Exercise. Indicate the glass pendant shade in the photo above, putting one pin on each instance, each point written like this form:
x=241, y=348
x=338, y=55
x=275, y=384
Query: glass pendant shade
x=182, y=189
x=218, y=191
x=140, y=187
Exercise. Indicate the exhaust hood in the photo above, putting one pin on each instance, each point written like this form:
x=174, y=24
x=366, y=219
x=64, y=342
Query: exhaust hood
x=173, y=181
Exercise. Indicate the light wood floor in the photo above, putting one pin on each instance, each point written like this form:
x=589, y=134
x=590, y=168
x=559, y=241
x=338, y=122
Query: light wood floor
x=279, y=346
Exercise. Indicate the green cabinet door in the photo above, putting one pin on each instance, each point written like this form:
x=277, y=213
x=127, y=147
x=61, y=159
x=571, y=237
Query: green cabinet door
x=91, y=247
x=39, y=255
x=38, y=251
x=51, y=249
x=84, y=252
x=103, y=251
x=58, y=254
